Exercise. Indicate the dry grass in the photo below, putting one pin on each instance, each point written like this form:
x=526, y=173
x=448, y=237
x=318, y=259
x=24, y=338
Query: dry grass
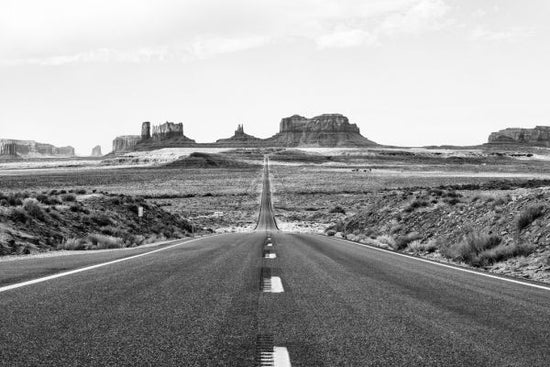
x=419, y=246
x=528, y=216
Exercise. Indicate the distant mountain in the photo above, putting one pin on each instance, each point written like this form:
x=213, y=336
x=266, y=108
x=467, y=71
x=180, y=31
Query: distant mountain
x=12, y=148
x=538, y=136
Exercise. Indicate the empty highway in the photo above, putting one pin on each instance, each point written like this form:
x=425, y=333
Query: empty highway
x=271, y=298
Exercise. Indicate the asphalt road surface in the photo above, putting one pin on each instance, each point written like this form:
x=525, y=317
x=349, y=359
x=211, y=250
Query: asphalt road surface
x=207, y=302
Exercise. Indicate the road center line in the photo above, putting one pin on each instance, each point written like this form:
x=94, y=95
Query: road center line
x=270, y=255
x=80, y=270
x=351, y=243
x=273, y=285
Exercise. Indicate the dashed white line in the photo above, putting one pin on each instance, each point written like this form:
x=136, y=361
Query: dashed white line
x=272, y=285
x=270, y=255
x=277, y=357
x=281, y=358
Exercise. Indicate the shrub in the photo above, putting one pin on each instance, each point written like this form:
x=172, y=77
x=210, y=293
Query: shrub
x=471, y=246
x=419, y=246
x=402, y=241
x=14, y=200
x=18, y=215
x=451, y=201
x=74, y=244
x=386, y=239
x=503, y=252
x=337, y=209
x=331, y=232
x=100, y=241
x=32, y=207
x=101, y=219
x=418, y=203
x=68, y=197
x=80, y=192
x=528, y=216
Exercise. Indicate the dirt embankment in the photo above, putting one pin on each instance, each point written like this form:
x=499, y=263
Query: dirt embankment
x=75, y=219
x=503, y=231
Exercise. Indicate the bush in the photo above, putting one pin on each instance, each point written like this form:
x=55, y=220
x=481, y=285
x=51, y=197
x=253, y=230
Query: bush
x=528, y=216
x=402, y=241
x=337, y=209
x=32, y=207
x=388, y=240
x=100, y=241
x=101, y=219
x=472, y=245
x=80, y=192
x=418, y=246
x=74, y=244
x=503, y=252
x=68, y=197
x=418, y=203
x=18, y=215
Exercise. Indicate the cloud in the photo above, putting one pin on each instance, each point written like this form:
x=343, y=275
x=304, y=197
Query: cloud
x=205, y=47
x=425, y=15
x=514, y=34
x=345, y=37
x=64, y=31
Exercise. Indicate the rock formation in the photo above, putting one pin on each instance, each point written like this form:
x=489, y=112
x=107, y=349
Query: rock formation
x=329, y=130
x=166, y=135
x=146, y=130
x=96, y=152
x=125, y=143
x=166, y=131
x=538, y=136
x=33, y=149
x=8, y=148
x=240, y=138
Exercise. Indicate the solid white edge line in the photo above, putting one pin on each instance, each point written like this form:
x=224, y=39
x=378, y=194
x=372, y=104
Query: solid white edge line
x=80, y=270
x=547, y=288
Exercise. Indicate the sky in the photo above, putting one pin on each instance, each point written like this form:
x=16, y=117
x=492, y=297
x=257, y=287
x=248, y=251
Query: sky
x=407, y=72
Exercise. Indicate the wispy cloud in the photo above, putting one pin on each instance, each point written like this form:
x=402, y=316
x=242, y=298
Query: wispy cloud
x=514, y=34
x=345, y=37
x=101, y=31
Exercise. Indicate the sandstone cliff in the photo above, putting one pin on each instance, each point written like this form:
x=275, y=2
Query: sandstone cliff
x=164, y=135
x=240, y=139
x=329, y=130
x=125, y=143
x=96, y=152
x=539, y=136
x=33, y=149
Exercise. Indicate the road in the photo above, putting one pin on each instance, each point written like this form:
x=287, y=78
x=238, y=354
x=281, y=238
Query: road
x=202, y=303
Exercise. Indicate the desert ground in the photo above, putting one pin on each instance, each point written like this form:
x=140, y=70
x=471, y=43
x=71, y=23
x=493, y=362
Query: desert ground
x=481, y=208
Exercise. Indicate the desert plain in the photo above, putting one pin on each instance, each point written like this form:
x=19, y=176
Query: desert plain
x=485, y=209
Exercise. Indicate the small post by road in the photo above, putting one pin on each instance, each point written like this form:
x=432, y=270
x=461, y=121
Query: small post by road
x=140, y=212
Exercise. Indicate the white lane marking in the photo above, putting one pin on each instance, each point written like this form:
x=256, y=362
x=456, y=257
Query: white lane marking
x=270, y=256
x=269, y=245
x=546, y=288
x=278, y=357
x=59, y=275
x=273, y=285
x=281, y=358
